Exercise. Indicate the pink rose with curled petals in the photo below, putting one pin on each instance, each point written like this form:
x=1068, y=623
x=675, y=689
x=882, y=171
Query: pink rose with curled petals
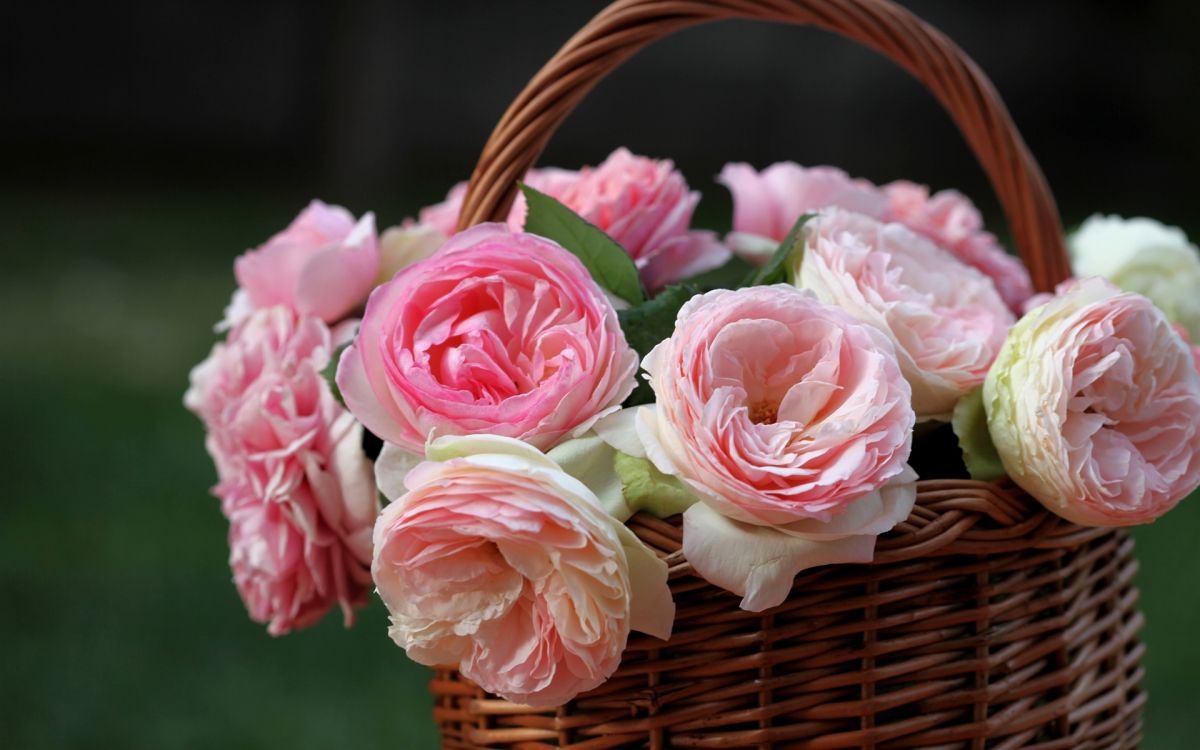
x=498, y=332
x=1094, y=407
x=951, y=220
x=497, y=561
x=293, y=480
x=946, y=319
x=324, y=264
x=767, y=204
x=792, y=424
x=549, y=180
x=645, y=205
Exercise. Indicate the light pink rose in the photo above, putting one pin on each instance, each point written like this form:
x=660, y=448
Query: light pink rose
x=646, y=206
x=1094, y=407
x=767, y=204
x=549, y=180
x=498, y=332
x=497, y=561
x=951, y=220
x=324, y=264
x=780, y=412
x=293, y=479
x=945, y=318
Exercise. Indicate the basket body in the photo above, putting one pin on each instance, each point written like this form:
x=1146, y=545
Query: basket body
x=963, y=635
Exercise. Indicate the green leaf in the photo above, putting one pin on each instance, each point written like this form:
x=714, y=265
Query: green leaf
x=778, y=270
x=605, y=260
x=729, y=276
x=330, y=372
x=650, y=323
x=648, y=489
x=970, y=425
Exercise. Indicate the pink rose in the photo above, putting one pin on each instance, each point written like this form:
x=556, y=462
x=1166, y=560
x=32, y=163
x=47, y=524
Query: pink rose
x=294, y=481
x=791, y=422
x=766, y=204
x=498, y=332
x=323, y=264
x=951, y=220
x=945, y=318
x=1094, y=407
x=497, y=561
x=444, y=216
x=643, y=204
x=646, y=206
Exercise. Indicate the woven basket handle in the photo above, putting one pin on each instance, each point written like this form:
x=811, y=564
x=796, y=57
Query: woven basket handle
x=626, y=26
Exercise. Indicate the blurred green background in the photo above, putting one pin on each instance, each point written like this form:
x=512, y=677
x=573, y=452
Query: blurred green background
x=141, y=158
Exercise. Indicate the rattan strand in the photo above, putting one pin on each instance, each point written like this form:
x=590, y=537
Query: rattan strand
x=628, y=25
x=984, y=622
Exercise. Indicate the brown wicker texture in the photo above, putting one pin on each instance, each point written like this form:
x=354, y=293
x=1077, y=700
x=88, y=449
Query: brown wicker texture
x=984, y=622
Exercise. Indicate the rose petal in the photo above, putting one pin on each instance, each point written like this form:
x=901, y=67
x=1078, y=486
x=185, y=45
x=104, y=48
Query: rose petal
x=757, y=562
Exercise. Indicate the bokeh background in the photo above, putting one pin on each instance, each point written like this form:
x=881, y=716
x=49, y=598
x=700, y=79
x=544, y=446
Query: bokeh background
x=144, y=145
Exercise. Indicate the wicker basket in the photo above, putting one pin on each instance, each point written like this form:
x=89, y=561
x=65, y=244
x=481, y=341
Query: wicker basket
x=984, y=622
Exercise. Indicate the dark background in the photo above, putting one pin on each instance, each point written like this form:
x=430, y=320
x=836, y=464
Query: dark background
x=144, y=145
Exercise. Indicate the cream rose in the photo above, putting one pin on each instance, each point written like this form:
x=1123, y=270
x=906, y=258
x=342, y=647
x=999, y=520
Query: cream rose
x=1094, y=407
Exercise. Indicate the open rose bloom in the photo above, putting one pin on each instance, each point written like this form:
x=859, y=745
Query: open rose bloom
x=497, y=333
x=1094, y=407
x=524, y=418
x=497, y=561
x=293, y=480
x=792, y=424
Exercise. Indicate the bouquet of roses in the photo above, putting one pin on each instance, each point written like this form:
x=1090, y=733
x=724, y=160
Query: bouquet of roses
x=517, y=391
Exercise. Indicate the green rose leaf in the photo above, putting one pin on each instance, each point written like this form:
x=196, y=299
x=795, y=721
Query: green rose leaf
x=650, y=323
x=778, y=270
x=648, y=489
x=971, y=427
x=330, y=372
x=605, y=260
x=729, y=276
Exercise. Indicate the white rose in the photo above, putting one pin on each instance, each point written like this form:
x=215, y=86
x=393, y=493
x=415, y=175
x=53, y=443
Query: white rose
x=1144, y=256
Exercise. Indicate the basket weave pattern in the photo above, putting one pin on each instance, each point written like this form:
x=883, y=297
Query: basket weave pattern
x=984, y=621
